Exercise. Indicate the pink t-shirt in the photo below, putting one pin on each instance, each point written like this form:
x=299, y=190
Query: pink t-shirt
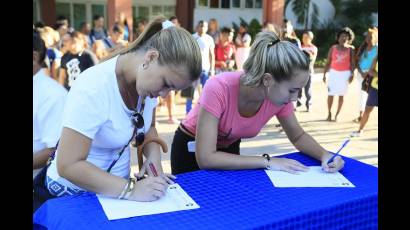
x=220, y=98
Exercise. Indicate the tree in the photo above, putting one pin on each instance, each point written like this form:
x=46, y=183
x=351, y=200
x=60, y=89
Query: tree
x=254, y=27
x=305, y=10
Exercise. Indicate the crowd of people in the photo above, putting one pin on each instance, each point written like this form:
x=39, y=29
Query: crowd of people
x=94, y=89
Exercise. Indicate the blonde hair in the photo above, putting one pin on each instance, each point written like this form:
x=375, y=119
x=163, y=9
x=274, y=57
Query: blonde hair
x=374, y=31
x=270, y=55
x=99, y=49
x=175, y=45
x=48, y=32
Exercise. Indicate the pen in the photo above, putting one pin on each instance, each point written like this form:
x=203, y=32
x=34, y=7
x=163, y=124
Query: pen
x=337, y=153
x=153, y=170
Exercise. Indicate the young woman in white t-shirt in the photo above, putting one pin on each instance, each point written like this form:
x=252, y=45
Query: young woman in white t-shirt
x=100, y=111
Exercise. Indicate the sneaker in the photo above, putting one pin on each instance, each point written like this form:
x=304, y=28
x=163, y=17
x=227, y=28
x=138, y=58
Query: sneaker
x=356, y=133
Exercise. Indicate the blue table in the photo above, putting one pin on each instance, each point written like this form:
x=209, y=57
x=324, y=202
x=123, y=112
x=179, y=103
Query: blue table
x=242, y=199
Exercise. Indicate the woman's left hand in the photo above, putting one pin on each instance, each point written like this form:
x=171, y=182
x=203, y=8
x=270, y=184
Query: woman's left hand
x=334, y=166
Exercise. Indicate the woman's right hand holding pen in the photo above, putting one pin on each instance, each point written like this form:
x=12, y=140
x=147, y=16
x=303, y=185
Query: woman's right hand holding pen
x=149, y=189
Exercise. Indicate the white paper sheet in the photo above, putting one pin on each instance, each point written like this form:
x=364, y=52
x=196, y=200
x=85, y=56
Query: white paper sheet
x=315, y=177
x=176, y=199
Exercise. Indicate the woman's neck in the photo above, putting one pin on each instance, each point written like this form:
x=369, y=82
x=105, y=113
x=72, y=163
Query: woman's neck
x=343, y=46
x=250, y=100
x=126, y=79
x=251, y=94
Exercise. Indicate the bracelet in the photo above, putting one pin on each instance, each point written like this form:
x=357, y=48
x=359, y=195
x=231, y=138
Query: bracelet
x=129, y=190
x=124, y=190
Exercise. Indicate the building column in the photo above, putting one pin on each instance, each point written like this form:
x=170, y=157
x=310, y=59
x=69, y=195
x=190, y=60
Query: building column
x=274, y=11
x=184, y=11
x=48, y=12
x=114, y=7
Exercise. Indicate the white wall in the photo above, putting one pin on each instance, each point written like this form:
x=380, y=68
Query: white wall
x=326, y=13
x=154, y=2
x=225, y=17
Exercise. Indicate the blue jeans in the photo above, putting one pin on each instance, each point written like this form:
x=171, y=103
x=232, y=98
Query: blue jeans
x=202, y=79
x=308, y=93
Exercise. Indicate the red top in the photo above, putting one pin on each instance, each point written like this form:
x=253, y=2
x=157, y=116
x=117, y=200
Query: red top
x=224, y=53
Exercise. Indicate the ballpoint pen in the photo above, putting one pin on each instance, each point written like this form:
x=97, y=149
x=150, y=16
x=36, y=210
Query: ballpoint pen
x=153, y=170
x=337, y=153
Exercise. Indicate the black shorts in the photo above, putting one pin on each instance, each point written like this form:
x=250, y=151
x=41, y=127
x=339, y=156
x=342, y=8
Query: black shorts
x=184, y=161
x=373, y=98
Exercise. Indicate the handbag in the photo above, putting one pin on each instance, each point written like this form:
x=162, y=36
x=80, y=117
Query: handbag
x=366, y=82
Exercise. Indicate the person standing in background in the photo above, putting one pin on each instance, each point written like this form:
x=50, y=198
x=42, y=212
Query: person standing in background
x=243, y=43
x=85, y=28
x=207, y=46
x=365, y=55
x=340, y=64
x=213, y=30
x=122, y=22
x=98, y=31
x=49, y=36
x=75, y=61
x=48, y=104
x=225, y=51
x=311, y=49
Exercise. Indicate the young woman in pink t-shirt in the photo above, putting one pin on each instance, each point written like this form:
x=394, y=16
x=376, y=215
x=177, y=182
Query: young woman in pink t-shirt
x=236, y=105
x=340, y=64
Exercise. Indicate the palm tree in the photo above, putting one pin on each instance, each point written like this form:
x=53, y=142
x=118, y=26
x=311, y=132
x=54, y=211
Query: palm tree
x=302, y=9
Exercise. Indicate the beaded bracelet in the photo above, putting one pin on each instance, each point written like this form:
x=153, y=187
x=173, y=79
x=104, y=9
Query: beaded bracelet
x=127, y=185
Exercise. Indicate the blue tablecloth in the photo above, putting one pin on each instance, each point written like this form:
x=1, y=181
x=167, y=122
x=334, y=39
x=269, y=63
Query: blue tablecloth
x=241, y=199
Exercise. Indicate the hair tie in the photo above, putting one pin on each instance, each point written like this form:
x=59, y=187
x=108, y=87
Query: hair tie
x=166, y=24
x=273, y=42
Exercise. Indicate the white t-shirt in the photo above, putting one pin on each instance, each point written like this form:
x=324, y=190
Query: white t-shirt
x=246, y=38
x=205, y=43
x=48, y=104
x=96, y=109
